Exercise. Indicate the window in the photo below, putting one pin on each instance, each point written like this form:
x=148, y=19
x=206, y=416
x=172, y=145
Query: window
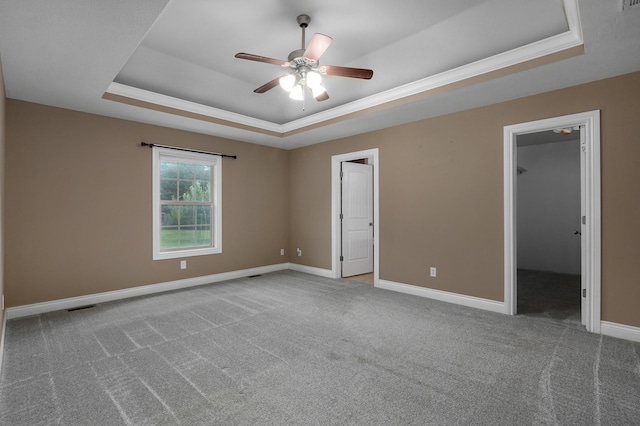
x=187, y=208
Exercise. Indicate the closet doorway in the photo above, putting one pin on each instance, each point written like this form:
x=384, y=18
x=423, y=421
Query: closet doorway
x=548, y=225
x=588, y=124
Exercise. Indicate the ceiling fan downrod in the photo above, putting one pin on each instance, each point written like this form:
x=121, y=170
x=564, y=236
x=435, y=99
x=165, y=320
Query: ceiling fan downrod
x=303, y=22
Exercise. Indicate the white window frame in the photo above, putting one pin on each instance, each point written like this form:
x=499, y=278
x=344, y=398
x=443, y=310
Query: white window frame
x=212, y=161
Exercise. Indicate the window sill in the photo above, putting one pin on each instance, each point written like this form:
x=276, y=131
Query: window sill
x=186, y=253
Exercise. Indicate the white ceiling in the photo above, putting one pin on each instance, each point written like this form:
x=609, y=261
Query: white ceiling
x=180, y=54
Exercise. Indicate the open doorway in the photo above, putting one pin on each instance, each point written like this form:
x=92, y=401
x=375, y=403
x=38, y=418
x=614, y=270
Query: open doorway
x=548, y=193
x=355, y=215
x=588, y=124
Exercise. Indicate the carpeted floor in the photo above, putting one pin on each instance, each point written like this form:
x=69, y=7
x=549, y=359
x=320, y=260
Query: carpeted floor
x=548, y=295
x=290, y=348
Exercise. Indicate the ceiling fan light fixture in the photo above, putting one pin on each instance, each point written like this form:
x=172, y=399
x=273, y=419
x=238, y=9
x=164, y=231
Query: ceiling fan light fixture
x=314, y=79
x=287, y=82
x=318, y=90
x=297, y=93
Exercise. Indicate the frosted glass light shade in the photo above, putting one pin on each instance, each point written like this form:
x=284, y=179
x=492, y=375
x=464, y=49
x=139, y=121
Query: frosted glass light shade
x=313, y=79
x=318, y=90
x=296, y=93
x=287, y=82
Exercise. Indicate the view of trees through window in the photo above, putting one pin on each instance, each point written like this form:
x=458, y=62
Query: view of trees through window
x=186, y=205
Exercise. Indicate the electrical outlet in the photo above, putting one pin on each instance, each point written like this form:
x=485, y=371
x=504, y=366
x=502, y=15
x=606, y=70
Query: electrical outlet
x=281, y=252
x=183, y=264
x=299, y=250
x=432, y=271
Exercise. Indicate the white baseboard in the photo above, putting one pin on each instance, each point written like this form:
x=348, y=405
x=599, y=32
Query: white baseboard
x=607, y=328
x=444, y=296
x=620, y=331
x=327, y=273
x=74, y=302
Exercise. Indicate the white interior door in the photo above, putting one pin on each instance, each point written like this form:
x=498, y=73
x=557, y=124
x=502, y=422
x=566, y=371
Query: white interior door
x=357, y=219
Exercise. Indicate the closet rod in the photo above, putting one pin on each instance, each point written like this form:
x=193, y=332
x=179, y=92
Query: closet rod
x=151, y=145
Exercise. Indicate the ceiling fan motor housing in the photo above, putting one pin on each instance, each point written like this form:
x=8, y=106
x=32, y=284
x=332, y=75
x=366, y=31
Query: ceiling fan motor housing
x=298, y=61
x=299, y=53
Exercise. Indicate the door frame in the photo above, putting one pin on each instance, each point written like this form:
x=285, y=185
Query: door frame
x=372, y=156
x=591, y=229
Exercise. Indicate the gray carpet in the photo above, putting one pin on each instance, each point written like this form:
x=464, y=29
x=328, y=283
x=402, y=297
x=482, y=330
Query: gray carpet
x=290, y=348
x=549, y=295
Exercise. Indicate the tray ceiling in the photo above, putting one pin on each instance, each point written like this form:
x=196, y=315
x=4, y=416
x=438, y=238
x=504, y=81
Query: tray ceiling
x=172, y=62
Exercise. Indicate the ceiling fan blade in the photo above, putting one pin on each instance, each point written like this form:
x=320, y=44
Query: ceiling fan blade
x=319, y=43
x=346, y=72
x=257, y=58
x=270, y=85
x=322, y=97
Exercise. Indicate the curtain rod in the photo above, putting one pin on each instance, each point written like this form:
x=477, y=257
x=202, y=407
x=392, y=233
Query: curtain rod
x=151, y=145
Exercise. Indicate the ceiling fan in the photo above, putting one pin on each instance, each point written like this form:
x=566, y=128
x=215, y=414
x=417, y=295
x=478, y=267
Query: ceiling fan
x=304, y=69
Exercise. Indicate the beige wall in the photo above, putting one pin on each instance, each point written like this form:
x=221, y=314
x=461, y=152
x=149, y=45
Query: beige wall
x=79, y=205
x=78, y=199
x=441, y=194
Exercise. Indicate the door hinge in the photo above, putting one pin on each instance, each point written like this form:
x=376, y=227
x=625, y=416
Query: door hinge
x=341, y=258
x=584, y=220
x=584, y=292
x=341, y=216
x=341, y=174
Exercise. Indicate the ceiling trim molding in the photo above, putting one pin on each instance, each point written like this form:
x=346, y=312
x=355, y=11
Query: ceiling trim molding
x=566, y=41
x=123, y=93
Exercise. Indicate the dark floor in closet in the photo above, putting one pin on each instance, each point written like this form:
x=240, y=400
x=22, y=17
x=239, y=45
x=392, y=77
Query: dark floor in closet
x=549, y=295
